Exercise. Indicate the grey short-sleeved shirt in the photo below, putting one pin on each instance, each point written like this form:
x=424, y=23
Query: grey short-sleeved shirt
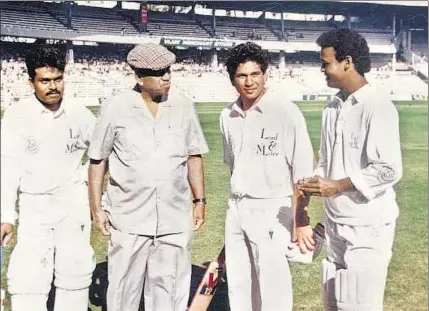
x=148, y=189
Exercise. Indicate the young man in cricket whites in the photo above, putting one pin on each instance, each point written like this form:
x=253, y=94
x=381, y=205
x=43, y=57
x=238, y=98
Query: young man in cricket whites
x=267, y=148
x=43, y=140
x=359, y=163
x=153, y=142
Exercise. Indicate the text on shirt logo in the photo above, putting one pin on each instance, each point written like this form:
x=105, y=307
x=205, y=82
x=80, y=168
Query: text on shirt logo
x=31, y=145
x=354, y=141
x=71, y=134
x=386, y=174
x=72, y=147
x=268, y=145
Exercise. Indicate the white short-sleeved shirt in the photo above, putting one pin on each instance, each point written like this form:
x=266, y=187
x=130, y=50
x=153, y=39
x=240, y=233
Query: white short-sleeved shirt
x=268, y=149
x=360, y=140
x=148, y=192
x=41, y=151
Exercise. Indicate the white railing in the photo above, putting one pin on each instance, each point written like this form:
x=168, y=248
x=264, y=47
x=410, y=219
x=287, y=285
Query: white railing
x=419, y=64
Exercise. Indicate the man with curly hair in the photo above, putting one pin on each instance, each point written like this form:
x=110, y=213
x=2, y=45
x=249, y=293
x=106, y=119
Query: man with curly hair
x=359, y=163
x=43, y=140
x=267, y=147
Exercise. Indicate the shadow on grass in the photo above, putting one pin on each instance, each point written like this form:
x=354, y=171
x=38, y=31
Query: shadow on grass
x=98, y=289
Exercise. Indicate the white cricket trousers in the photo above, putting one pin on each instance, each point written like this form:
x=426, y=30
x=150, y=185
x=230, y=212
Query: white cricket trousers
x=161, y=266
x=53, y=239
x=355, y=271
x=257, y=233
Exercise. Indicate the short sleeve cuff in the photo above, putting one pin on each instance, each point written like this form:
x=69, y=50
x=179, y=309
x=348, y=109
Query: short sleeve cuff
x=201, y=150
x=97, y=155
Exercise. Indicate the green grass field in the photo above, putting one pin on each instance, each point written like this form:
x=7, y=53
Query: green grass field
x=407, y=284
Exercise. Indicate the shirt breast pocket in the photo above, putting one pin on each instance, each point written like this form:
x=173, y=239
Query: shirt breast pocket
x=173, y=143
x=133, y=144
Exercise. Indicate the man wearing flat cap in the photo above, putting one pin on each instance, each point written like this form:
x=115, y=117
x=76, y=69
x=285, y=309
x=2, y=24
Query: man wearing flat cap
x=152, y=141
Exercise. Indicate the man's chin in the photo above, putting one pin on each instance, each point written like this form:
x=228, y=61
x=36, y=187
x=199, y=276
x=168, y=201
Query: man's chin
x=162, y=93
x=51, y=101
x=159, y=98
x=252, y=97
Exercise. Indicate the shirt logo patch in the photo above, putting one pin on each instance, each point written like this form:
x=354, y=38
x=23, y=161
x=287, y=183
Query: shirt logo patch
x=386, y=174
x=31, y=145
x=72, y=145
x=354, y=141
x=268, y=145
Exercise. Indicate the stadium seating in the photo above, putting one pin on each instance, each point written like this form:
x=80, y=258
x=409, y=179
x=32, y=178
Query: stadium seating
x=100, y=71
x=28, y=17
x=168, y=24
x=238, y=28
x=94, y=20
x=98, y=21
x=92, y=81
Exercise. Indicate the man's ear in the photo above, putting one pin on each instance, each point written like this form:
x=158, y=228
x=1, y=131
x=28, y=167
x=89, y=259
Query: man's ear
x=348, y=63
x=139, y=80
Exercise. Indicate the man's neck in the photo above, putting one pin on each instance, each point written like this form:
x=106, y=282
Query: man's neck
x=152, y=102
x=152, y=99
x=354, y=84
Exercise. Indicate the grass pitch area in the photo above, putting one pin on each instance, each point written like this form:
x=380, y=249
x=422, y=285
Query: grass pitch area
x=407, y=282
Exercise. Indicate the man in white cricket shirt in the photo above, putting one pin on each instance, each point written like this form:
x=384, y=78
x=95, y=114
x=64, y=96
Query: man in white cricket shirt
x=153, y=142
x=360, y=162
x=267, y=147
x=43, y=140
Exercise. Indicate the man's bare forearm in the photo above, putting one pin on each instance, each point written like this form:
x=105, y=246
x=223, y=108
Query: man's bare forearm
x=96, y=172
x=301, y=207
x=196, y=176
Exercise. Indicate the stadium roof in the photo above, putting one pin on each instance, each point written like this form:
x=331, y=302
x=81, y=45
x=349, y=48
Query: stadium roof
x=405, y=3
x=312, y=7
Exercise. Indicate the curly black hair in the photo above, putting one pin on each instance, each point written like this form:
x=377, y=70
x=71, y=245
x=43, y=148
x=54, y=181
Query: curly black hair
x=245, y=52
x=45, y=56
x=348, y=42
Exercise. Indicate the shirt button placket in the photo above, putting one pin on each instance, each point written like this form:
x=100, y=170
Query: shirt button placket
x=245, y=153
x=156, y=143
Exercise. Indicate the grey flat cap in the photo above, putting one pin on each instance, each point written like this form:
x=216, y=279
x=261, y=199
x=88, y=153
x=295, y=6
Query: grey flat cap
x=150, y=56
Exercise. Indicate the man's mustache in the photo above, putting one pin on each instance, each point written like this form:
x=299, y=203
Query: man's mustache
x=51, y=93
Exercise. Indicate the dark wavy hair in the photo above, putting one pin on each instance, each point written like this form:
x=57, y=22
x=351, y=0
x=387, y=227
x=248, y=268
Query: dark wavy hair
x=45, y=56
x=348, y=42
x=245, y=52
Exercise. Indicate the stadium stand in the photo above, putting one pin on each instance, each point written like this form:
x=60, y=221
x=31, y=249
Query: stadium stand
x=99, y=71
x=238, y=28
x=95, y=20
x=29, y=16
x=173, y=24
